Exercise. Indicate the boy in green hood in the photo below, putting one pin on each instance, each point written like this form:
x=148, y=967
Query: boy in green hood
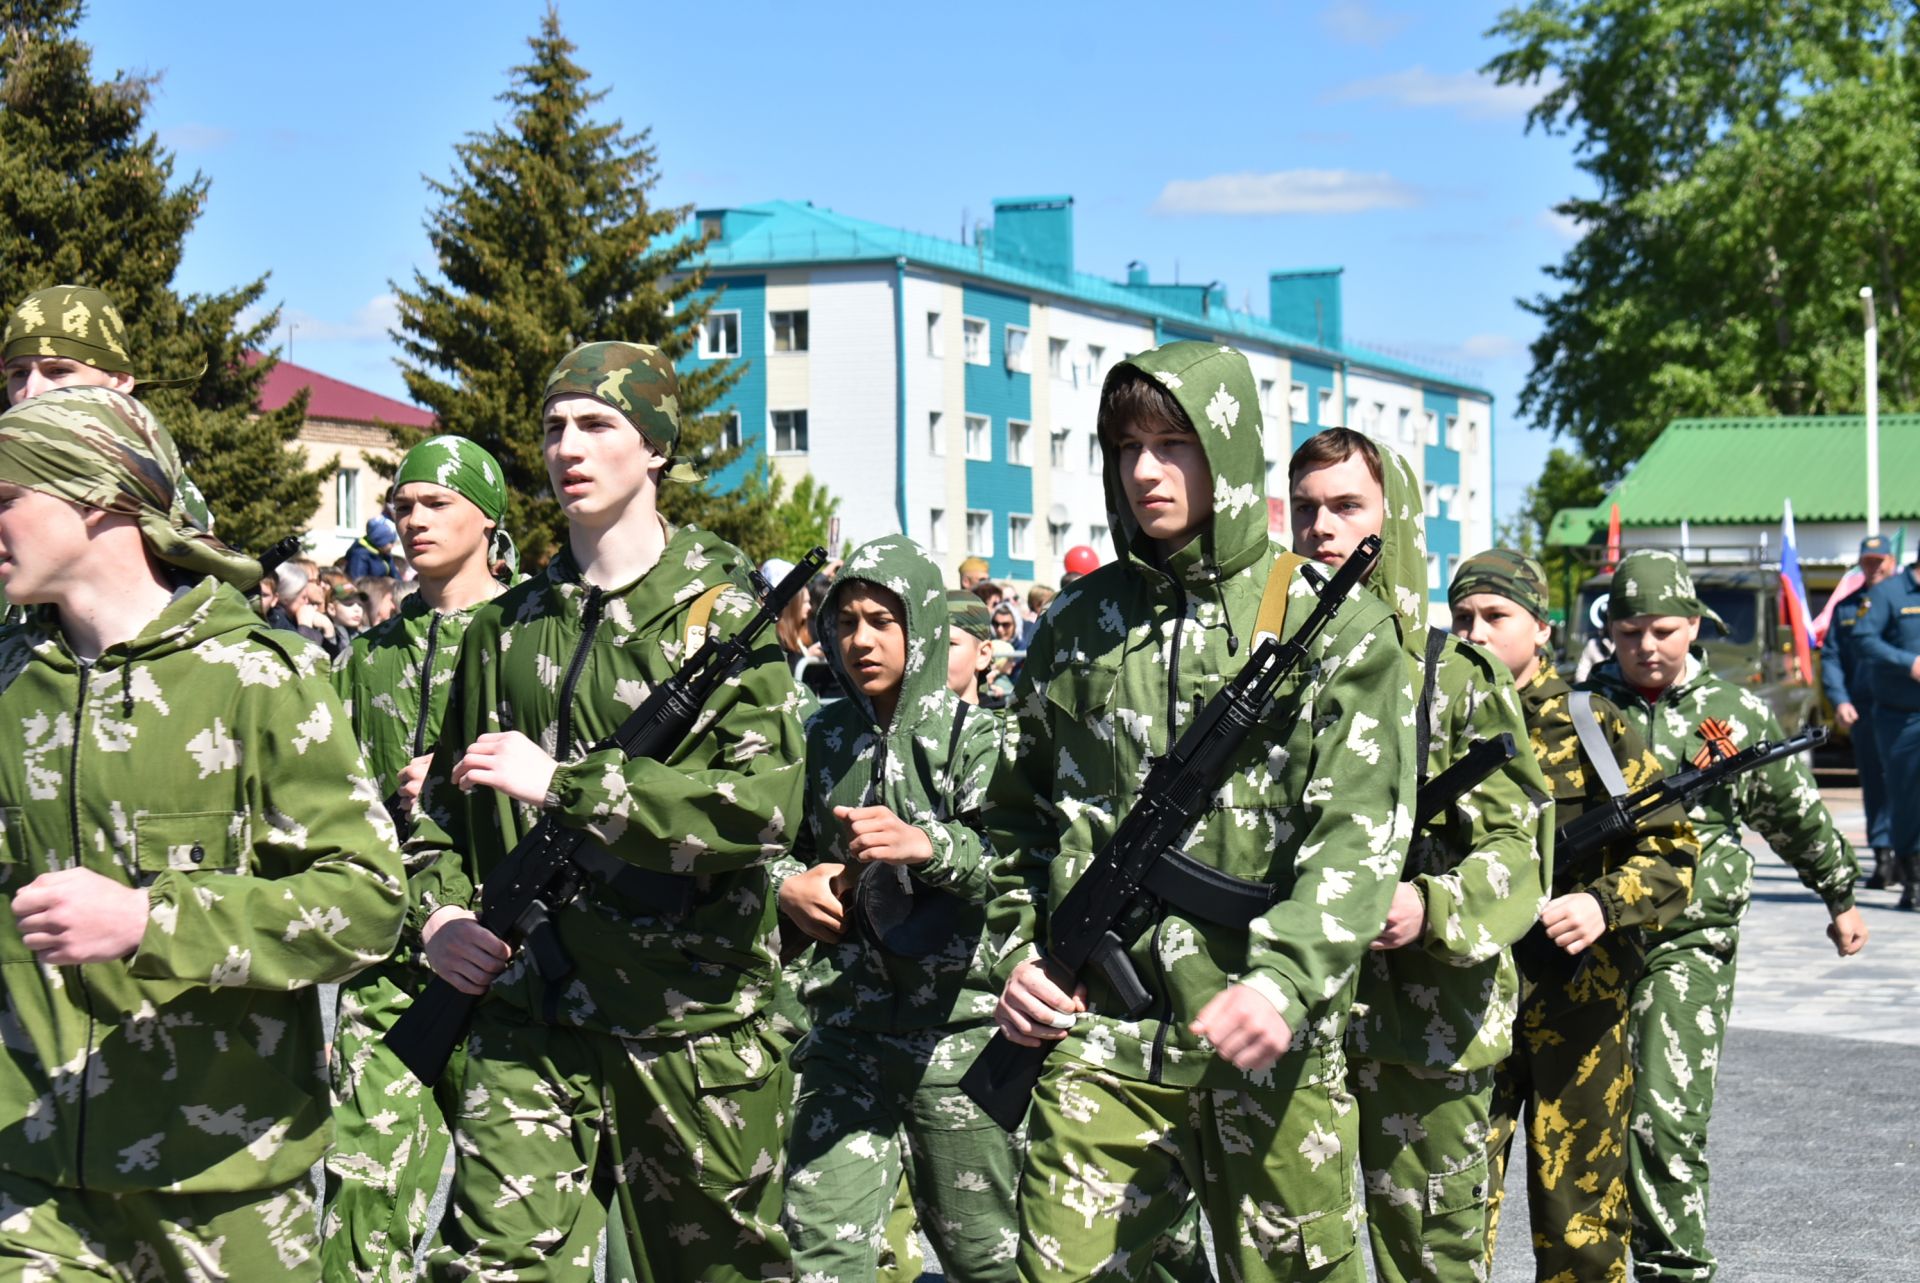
x=896, y=777
x=390, y=1133
x=1439, y=991
x=192, y=844
x=1234, y=1089
x=1658, y=677
x=650, y=1072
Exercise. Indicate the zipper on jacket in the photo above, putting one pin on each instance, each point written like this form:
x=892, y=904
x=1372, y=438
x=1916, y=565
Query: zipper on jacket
x=1173, y=667
x=589, y=622
x=79, y=971
x=426, y=689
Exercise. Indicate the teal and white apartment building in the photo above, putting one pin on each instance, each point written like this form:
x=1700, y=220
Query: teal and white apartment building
x=949, y=390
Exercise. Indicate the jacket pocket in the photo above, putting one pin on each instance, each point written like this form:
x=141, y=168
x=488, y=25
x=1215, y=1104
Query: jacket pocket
x=191, y=841
x=1461, y=1191
x=744, y=1090
x=16, y=870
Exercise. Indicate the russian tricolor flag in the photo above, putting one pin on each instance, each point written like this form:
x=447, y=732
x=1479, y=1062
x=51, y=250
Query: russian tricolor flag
x=1793, y=596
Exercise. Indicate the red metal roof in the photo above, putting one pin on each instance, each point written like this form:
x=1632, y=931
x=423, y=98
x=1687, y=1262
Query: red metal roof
x=335, y=399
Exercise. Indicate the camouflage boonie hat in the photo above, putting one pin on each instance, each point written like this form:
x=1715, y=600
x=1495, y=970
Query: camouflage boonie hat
x=102, y=449
x=969, y=614
x=1649, y=582
x=73, y=321
x=636, y=379
x=1505, y=572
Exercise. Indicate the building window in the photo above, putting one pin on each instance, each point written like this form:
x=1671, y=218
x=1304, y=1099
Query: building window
x=1018, y=543
x=1353, y=412
x=789, y=331
x=935, y=347
x=1430, y=499
x=346, y=498
x=1097, y=539
x=936, y=530
x=1093, y=453
x=1326, y=408
x=1453, y=432
x=1266, y=396
x=973, y=340
x=1059, y=537
x=1062, y=441
x=979, y=533
x=789, y=431
x=720, y=335
x=936, y=434
x=730, y=431
x=1017, y=349
x=1433, y=428
x=1297, y=402
x=1433, y=571
x=1096, y=357
x=979, y=437
x=1057, y=358
x=1018, y=434
x=1406, y=426
x=1379, y=425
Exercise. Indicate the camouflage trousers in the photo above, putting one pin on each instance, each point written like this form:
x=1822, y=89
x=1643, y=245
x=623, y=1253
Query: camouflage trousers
x=1114, y=1165
x=1680, y=1009
x=872, y=1108
x=389, y=1137
x=1423, y=1158
x=50, y=1235
x=1571, y=1075
x=685, y=1137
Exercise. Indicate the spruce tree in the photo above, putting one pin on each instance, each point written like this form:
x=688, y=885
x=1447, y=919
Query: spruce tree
x=545, y=237
x=87, y=196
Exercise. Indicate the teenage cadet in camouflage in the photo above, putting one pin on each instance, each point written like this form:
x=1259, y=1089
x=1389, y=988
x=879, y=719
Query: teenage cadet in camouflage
x=1848, y=682
x=650, y=1073
x=1889, y=638
x=1570, y=1068
x=1438, y=990
x=1234, y=1089
x=896, y=776
x=390, y=1133
x=192, y=843
x=1659, y=680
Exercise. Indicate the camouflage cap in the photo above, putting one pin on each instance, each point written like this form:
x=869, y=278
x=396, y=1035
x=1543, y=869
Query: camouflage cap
x=1505, y=572
x=1650, y=582
x=102, y=449
x=969, y=614
x=73, y=321
x=636, y=379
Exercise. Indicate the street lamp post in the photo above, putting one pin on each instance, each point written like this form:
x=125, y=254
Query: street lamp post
x=1873, y=411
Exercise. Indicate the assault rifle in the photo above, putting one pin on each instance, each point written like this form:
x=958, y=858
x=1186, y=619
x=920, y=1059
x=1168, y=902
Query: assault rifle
x=1626, y=817
x=1141, y=870
x=552, y=865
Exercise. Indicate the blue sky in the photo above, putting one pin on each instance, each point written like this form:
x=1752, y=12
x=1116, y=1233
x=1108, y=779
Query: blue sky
x=1221, y=141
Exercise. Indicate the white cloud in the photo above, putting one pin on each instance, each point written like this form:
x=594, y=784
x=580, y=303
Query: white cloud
x=1286, y=191
x=1467, y=92
x=1565, y=226
x=1357, y=22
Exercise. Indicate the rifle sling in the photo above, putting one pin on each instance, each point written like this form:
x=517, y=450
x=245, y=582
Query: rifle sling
x=1594, y=744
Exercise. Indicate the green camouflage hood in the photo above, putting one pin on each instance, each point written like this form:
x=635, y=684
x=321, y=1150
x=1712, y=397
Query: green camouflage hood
x=1505, y=572
x=1215, y=388
x=636, y=379
x=102, y=449
x=897, y=564
x=1400, y=578
x=1650, y=582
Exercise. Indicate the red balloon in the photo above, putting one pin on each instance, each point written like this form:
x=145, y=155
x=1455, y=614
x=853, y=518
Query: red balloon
x=1082, y=560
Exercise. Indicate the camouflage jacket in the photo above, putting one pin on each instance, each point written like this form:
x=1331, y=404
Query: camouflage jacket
x=1780, y=801
x=905, y=766
x=1448, y=1000
x=209, y=762
x=1317, y=801
x=1645, y=885
x=564, y=663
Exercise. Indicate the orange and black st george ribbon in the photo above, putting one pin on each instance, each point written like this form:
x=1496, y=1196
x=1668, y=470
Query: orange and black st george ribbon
x=1719, y=742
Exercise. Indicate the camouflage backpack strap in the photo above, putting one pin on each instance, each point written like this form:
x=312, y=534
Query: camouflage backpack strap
x=1272, y=619
x=1594, y=744
x=701, y=615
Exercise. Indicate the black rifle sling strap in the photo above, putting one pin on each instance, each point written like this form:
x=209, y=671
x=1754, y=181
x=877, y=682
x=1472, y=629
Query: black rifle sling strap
x=1599, y=753
x=1423, y=723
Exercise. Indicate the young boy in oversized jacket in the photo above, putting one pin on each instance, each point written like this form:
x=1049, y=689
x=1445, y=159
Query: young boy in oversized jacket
x=1232, y=1089
x=890, y=876
x=1439, y=990
x=193, y=843
x=651, y=1073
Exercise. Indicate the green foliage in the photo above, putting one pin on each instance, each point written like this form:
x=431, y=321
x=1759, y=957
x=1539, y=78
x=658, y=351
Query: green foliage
x=1567, y=481
x=87, y=196
x=802, y=518
x=1753, y=167
x=545, y=239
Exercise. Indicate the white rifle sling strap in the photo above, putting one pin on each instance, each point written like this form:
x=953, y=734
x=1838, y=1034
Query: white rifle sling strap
x=1594, y=744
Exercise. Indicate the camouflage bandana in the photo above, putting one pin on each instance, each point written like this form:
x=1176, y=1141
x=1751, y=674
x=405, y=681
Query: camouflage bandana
x=635, y=379
x=102, y=449
x=969, y=614
x=465, y=468
x=1505, y=573
x=81, y=324
x=1649, y=582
